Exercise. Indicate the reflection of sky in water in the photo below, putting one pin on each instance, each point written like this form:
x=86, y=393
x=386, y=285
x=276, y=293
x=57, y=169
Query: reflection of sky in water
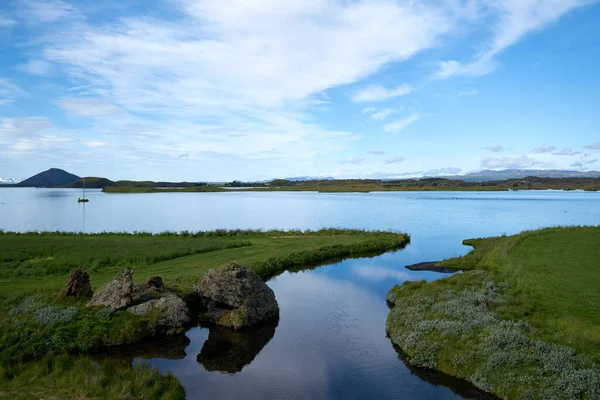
x=330, y=341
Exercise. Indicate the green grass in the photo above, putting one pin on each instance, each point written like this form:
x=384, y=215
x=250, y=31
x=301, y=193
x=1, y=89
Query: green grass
x=64, y=377
x=177, y=257
x=523, y=320
x=41, y=330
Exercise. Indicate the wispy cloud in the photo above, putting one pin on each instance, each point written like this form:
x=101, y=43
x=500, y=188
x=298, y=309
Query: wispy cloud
x=593, y=146
x=566, y=152
x=442, y=171
x=35, y=67
x=6, y=22
x=512, y=21
x=44, y=11
x=376, y=152
x=399, y=125
x=394, y=160
x=508, y=162
x=471, y=92
x=495, y=149
x=88, y=107
x=354, y=160
x=581, y=164
x=375, y=93
x=383, y=114
x=543, y=150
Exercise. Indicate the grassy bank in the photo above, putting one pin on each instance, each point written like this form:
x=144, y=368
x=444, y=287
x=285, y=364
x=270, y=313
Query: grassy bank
x=522, y=321
x=38, y=324
x=34, y=261
x=65, y=377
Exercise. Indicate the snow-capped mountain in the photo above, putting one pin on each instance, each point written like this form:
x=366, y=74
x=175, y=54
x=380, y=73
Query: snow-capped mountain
x=9, y=181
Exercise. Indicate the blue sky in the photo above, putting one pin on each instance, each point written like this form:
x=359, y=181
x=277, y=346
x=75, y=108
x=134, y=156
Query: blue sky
x=256, y=89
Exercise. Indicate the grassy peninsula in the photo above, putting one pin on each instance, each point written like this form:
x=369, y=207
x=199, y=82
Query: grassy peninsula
x=521, y=321
x=45, y=338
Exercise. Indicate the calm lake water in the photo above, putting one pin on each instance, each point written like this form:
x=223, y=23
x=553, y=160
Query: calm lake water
x=330, y=340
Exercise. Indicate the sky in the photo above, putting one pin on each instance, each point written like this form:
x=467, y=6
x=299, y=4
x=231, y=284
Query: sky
x=258, y=89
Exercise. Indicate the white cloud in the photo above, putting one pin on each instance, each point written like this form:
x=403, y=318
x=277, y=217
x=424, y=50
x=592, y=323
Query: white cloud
x=512, y=20
x=7, y=88
x=354, y=160
x=95, y=145
x=543, y=150
x=509, y=162
x=566, y=152
x=383, y=114
x=472, y=92
x=394, y=160
x=399, y=125
x=35, y=67
x=495, y=149
x=5, y=101
x=88, y=107
x=44, y=11
x=24, y=127
x=442, y=171
x=593, y=146
x=374, y=93
x=376, y=152
x=6, y=22
x=368, y=110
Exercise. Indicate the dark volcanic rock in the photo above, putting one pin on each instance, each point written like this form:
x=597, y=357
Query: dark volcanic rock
x=236, y=297
x=116, y=294
x=227, y=350
x=429, y=266
x=78, y=284
x=155, y=282
x=171, y=311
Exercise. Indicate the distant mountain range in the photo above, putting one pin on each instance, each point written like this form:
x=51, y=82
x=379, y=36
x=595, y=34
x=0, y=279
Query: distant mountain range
x=9, y=181
x=51, y=177
x=490, y=175
x=55, y=177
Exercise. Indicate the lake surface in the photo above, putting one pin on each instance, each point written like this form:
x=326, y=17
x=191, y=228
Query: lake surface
x=330, y=339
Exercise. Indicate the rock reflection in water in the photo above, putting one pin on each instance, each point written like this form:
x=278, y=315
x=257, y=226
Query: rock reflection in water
x=228, y=350
x=165, y=347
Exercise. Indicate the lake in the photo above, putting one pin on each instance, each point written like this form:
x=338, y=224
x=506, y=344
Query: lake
x=330, y=339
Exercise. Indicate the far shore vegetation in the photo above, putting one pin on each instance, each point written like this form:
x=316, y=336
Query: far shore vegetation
x=46, y=339
x=366, y=185
x=521, y=321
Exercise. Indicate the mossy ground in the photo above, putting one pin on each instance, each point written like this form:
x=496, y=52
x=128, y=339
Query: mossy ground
x=522, y=321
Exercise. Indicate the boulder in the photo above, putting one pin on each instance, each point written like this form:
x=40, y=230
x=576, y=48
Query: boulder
x=155, y=282
x=116, y=294
x=171, y=311
x=78, y=284
x=237, y=297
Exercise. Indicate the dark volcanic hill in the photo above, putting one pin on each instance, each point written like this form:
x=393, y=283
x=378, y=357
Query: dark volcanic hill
x=92, y=183
x=52, y=177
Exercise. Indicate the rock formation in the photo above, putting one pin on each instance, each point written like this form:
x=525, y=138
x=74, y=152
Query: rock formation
x=237, y=297
x=116, y=294
x=78, y=284
x=155, y=282
x=171, y=311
